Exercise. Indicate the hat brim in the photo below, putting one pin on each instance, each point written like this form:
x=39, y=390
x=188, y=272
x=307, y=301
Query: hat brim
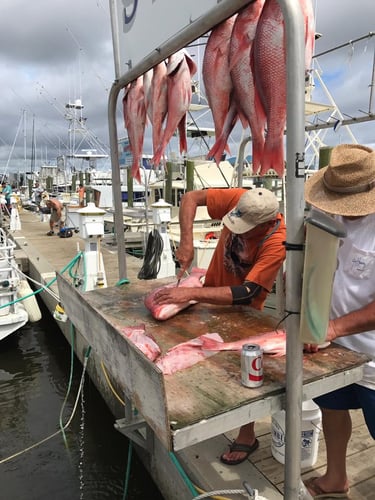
x=237, y=226
x=354, y=204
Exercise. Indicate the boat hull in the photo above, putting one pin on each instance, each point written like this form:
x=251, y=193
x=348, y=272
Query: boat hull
x=13, y=321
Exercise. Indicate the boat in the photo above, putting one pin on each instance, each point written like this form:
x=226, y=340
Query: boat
x=13, y=313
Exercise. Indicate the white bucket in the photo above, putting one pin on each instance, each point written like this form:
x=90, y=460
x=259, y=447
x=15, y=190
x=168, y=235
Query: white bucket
x=311, y=425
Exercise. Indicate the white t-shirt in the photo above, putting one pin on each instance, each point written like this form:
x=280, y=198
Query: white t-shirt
x=354, y=285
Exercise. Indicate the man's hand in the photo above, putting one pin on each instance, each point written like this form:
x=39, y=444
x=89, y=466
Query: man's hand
x=176, y=295
x=330, y=335
x=185, y=256
x=188, y=208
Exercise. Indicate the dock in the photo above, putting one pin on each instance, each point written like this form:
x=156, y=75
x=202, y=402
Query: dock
x=194, y=441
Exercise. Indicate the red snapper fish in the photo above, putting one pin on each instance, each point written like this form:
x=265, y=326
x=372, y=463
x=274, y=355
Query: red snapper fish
x=145, y=343
x=166, y=311
x=270, y=76
x=147, y=79
x=248, y=103
x=273, y=342
x=159, y=98
x=187, y=354
x=217, y=80
x=135, y=121
x=180, y=69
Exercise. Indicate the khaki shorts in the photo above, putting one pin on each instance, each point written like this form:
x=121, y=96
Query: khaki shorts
x=54, y=217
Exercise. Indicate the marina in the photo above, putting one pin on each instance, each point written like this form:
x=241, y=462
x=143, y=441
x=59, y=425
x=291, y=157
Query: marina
x=119, y=243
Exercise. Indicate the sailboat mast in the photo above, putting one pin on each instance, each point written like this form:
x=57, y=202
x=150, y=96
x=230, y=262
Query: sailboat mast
x=32, y=162
x=24, y=148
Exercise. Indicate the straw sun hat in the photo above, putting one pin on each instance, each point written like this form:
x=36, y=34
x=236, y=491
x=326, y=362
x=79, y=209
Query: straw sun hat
x=347, y=185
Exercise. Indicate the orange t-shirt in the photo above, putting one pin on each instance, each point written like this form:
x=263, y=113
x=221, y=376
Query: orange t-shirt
x=236, y=260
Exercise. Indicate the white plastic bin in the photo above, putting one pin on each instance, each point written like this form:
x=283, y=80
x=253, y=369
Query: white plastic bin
x=311, y=426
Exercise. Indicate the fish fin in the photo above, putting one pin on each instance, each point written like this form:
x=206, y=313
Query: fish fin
x=135, y=172
x=191, y=64
x=182, y=134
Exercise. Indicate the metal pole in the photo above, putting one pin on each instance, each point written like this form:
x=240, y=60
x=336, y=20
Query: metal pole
x=372, y=84
x=241, y=157
x=295, y=53
x=116, y=181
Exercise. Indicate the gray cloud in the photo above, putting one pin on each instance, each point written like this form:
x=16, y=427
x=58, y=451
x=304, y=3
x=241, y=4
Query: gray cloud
x=53, y=52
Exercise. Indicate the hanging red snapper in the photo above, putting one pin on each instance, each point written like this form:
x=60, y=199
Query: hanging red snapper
x=270, y=76
x=147, y=79
x=248, y=104
x=159, y=98
x=180, y=69
x=216, y=76
x=135, y=121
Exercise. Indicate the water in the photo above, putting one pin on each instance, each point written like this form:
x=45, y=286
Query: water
x=34, y=375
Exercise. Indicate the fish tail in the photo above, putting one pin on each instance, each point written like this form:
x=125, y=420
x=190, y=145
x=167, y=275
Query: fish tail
x=135, y=172
x=273, y=158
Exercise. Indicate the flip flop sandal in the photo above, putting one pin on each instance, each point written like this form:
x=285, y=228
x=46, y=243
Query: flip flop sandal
x=316, y=491
x=245, y=448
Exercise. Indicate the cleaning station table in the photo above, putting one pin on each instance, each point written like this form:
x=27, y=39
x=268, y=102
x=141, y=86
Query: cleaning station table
x=206, y=399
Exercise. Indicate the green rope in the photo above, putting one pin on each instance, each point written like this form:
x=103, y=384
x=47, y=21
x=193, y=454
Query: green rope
x=41, y=289
x=124, y=281
x=61, y=425
x=183, y=474
x=127, y=473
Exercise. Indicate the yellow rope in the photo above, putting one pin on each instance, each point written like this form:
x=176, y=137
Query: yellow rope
x=199, y=490
x=110, y=385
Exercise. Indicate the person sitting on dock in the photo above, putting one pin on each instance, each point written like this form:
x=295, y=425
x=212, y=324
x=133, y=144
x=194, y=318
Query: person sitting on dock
x=57, y=214
x=243, y=269
x=346, y=189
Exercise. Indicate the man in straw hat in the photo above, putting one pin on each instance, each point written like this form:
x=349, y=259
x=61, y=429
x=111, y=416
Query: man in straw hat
x=243, y=268
x=346, y=188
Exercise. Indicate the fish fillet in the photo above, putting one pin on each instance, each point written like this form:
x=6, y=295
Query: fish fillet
x=187, y=354
x=145, y=343
x=273, y=342
x=166, y=311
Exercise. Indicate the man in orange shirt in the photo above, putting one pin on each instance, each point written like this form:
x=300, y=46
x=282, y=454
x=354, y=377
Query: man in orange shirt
x=243, y=269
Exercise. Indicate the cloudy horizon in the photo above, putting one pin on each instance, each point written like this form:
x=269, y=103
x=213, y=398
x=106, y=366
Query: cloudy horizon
x=54, y=54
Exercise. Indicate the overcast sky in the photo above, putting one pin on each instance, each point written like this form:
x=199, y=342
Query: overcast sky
x=54, y=52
